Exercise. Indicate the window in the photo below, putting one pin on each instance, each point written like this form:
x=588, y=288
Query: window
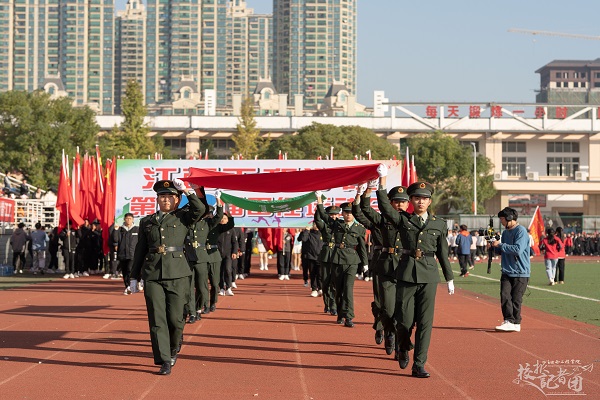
x=515, y=166
x=562, y=166
x=562, y=147
x=514, y=147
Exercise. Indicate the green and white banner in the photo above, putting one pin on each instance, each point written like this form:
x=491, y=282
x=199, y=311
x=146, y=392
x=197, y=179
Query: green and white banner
x=135, y=179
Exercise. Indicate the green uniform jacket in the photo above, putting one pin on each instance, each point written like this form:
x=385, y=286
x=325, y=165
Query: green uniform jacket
x=327, y=250
x=213, y=237
x=429, y=239
x=349, y=247
x=197, y=238
x=384, y=234
x=170, y=232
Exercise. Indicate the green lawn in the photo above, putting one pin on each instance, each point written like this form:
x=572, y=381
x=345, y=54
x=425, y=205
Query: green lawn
x=581, y=279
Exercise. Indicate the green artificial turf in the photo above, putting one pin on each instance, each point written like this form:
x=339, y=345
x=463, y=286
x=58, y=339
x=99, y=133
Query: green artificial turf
x=581, y=279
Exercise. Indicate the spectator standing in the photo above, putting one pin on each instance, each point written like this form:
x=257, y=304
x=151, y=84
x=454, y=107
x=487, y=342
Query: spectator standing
x=562, y=254
x=551, y=246
x=516, y=268
x=463, y=249
x=284, y=255
x=53, y=247
x=128, y=239
x=228, y=248
x=70, y=240
x=312, y=243
x=18, y=242
x=39, y=244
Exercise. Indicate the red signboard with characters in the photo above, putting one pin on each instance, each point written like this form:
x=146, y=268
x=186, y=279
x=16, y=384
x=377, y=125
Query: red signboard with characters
x=7, y=210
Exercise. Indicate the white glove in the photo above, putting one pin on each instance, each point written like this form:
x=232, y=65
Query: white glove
x=218, y=194
x=133, y=286
x=191, y=191
x=179, y=185
x=450, y=287
x=365, y=268
x=382, y=170
x=318, y=194
x=361, y=189
x=374, y=184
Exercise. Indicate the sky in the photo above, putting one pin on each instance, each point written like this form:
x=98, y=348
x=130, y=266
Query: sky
x=461, y=51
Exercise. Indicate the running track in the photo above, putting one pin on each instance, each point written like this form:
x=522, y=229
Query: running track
x=83, y=339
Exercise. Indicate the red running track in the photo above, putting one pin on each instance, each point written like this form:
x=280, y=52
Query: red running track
x=83, y=338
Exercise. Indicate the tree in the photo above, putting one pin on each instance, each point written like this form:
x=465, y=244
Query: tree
x=34, y=129
x=247, y=137
x=317, y=139
x=131, y=139
x=448, y=165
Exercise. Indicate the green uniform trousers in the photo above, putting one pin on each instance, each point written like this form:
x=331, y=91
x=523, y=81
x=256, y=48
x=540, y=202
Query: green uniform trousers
x=165, y=302
x=214, y=276
x=415, y=302
x=200, y=275
x=327, y=286
x=387, y=292
x=344, y=276
x=376, y=303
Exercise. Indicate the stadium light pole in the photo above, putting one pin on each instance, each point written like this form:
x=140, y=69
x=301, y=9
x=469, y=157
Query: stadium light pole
x=474, y=178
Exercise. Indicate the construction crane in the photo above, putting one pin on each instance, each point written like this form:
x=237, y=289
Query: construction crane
x=548, y=33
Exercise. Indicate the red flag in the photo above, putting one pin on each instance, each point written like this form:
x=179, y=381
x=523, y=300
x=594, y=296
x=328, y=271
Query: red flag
x=406, y=170
x=536, y=229
x=63, y=196
x=280, y=157
x=413, y=171
x=108, y=211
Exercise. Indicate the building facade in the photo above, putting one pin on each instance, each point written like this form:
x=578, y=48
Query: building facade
x=314, y=45
x=72, y=40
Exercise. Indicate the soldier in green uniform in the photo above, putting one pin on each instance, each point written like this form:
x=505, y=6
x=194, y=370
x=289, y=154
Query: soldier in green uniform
x=423, y=239
x=200, y=262
x=388, y=258
x=215, y=259
x=159, y=259
x=325, y=258
x=349, y=251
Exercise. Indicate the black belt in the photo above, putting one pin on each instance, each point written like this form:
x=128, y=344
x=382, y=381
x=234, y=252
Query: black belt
x=391, y=250
x=208, y=246
x=418, y=253
x=343, y=246
x=375, y=248
x=162, y=249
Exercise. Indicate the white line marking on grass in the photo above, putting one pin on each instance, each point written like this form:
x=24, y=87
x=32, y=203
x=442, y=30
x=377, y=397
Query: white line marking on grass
x=536, y=287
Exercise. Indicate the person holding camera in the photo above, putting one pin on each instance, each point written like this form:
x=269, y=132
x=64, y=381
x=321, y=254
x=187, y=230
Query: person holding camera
x=516, y=268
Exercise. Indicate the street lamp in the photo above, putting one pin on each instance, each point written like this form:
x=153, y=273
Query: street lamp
x=474, y=178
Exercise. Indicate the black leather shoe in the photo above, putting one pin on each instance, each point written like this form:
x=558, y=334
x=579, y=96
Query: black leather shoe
x=340, y=320
x=326, y=311
x=390, y=341
x=378, y=337
x=349, y=323
x=420, y=372
x=205, y=310
x=403, y=360
x=165, y=369
x=212, y=308
x=173, y=360
x=333, y=312
x=191, y=319
x=180, y=344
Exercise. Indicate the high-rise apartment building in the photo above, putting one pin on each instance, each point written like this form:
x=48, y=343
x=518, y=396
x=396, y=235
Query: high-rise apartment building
x=248, y=50
x=71, y=40
x=173, y=46
x=314, y=45
x=130, y=49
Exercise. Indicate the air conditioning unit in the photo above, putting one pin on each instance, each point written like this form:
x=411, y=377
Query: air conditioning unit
x=501, y=176
x=581, y=175
x=533, y=176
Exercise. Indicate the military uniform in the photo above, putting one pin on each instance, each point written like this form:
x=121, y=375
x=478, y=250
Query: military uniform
x=349, y=250
x=214, y=263
x=386, y=263
x=159, y=259
x=325, y=257
x=199, y=260
x=417, y=274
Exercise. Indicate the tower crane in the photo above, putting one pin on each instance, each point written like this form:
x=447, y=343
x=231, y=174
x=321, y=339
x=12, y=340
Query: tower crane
x=549, y=33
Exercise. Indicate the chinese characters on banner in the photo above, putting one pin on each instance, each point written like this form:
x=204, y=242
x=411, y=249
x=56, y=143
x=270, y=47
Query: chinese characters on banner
x=494, y=111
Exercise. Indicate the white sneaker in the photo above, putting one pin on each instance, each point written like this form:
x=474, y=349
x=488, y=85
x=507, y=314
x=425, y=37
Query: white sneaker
x=262, y=268
x=85, y=273
x=286, y=277
x=67, y=276
x=20, y=271
x=314, y=293
x=241, y=276
x=266, y=268
x=517, y=327
x=506, y=327
x=72, y=276
x=229, y=292
x=281, y=277
x=237, y=276
x=105, y=276
x=320, y=292
x=127, y=291
x=233, y=285
x=222, y=292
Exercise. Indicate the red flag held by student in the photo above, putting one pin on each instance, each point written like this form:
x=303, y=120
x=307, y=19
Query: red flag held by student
x=110, y=196
x=536, y=229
